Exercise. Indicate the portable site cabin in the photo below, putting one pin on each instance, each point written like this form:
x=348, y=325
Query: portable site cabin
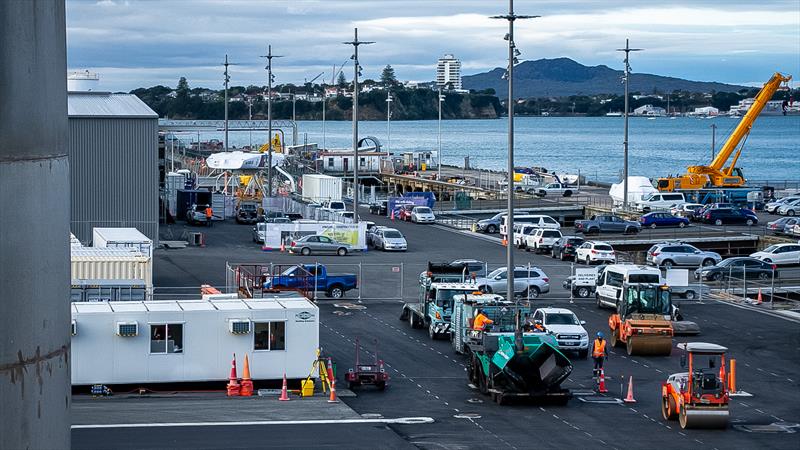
x=192, y=340
x=122, y=237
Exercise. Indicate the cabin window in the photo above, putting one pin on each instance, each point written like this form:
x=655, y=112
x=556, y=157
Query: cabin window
x=362, y=162
x=269, y=336
x=330, y=163
x=166, y=338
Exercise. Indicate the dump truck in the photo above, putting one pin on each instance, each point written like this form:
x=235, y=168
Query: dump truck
x=434, y=307
x=506, y=361
x=643, y=320
x=699, y=397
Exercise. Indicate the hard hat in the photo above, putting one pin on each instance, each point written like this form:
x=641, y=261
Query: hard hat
x=600, y=334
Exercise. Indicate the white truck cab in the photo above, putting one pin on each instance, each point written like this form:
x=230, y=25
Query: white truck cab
x=615, y=277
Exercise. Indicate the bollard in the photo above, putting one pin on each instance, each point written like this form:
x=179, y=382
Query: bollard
x=732, y=377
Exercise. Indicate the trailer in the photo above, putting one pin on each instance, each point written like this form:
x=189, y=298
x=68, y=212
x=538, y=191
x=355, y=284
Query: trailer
x=192, y=340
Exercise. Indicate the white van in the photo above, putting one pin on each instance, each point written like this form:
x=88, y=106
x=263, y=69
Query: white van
x=521, y=233
x=537, y=220
x=665, y=200
x=615, y=277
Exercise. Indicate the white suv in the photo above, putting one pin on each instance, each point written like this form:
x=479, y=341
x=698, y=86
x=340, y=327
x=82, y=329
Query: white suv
x=595, y=252
x=566, y=327
x=542, y=239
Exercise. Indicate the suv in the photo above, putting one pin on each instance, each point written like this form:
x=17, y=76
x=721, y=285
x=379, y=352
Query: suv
x=724, y=216
x=565, y=247
x=669, y=254
x=528, y=282
x=490, y=225
x=568, y=330
x=247, y=213
x=521, y=233
x=595, y=252
x=380, y=208
x=542, y=239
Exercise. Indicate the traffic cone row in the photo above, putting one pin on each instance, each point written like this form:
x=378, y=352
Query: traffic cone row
x=244, y=388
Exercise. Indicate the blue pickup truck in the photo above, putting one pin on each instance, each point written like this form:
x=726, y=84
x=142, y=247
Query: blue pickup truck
x=303, y=276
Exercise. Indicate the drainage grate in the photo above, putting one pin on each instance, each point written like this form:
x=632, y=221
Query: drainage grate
x=601, y=400
x=775, y=427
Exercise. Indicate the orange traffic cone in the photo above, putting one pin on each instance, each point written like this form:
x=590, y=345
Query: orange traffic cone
x=330, y=369
x=234, y=389
x=283, y=247
x=284, y=392
x=247, y=383
x=629, y=398
x=392, y=216
x=759, y=300
x=602, y=386
x=505, y=242
x=333, y=398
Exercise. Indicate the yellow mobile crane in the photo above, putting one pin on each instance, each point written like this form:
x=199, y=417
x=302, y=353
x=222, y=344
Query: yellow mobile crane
x=716, y=175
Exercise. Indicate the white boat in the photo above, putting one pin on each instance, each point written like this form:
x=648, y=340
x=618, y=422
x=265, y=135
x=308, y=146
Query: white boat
x=239, y=160
x=614, y=114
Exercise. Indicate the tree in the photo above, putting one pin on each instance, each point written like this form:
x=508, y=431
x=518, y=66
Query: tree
x=341, y=81
x=387, y=76
x=183, y=87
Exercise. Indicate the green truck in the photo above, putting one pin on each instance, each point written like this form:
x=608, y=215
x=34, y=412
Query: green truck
x=507, y=360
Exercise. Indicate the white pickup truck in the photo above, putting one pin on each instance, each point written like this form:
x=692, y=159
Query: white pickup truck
x=555, y=189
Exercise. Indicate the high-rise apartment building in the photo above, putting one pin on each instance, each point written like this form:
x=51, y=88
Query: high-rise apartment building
x=448, y=72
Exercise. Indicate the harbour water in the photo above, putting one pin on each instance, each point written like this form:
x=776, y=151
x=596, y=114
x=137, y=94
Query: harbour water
x=591, y=145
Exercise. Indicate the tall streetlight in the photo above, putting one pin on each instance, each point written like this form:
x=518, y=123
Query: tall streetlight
x=626, y=79
x=439, y=139
x=713, y=139
x=512, y=59
x=270, y=78
x=227, y=79
x=356, y=71
x=389, y=100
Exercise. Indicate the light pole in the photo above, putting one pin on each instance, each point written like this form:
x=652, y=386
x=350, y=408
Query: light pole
x=512, y=54
x=250, y=119
x=713, y=139
x=626, y=78
x=356, y=70
x=439, y=139
x=269, y=57
x=388, y=118
x=227, y=79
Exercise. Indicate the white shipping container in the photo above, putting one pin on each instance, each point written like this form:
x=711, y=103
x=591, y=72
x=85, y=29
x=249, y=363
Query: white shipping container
x=132, y=342
x=111, y=264
x=122, y=237
x=321, y=188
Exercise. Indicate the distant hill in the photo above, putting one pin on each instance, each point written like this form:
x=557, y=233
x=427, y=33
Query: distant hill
x=562, y=77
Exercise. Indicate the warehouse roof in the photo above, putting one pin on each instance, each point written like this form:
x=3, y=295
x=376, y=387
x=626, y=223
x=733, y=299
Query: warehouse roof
x=107, y=105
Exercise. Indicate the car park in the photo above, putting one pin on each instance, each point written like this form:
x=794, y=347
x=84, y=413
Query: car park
x=738, y=268
x=564, y=247
x=317, y=244
x=663, y=219
x=422, y=214
x=685, y=209
x=528, y=282
x=607, y=224
x=779, y=254
x=730, y=216
x=490, y=225
x=782, y=226
x=789, y=208
x=568, y=330
x=595, y=252
x=772, y=207
x=669, y=254
x=388, y=239
x=542, y=239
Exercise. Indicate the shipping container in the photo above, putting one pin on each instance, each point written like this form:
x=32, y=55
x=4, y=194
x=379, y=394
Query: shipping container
x=122, y=238
x=187, y=198
x=321, y=188
x=74, y=242
x=108, y=290
x=192, y=340
x=111, y=264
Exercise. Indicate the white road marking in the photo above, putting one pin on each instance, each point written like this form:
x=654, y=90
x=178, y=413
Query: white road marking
x=399, y=420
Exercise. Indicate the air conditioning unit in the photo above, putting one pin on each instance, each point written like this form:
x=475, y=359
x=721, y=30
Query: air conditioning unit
x=74, y=328
x=239, y=326
x=127, y=329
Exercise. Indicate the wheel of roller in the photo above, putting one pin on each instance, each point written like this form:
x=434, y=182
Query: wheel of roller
x=683, y=419
x=668, y=408
x=615, y=341
x=630, y=346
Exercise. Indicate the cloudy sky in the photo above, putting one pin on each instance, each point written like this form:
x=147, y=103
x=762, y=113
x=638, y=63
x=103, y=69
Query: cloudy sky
x=134, y=43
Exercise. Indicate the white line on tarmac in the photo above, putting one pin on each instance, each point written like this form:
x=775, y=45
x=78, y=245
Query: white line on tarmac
x=399, y=420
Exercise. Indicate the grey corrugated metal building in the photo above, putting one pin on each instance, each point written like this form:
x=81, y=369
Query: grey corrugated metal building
x=113, y=159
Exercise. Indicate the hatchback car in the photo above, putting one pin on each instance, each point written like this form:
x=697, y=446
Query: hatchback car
x=595, y=252
x=564, y=248
x=317, y=244
x=662, y=219
x=700, y=212
x=789, y=208
x=730, y=216
x=405, y=212
x=779, y=254
x=783, y=225
x=388, y=239
x=422, y=214
x=669, y=254
x=738, y=268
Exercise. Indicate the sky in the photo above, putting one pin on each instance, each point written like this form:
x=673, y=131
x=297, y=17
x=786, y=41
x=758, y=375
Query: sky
x=142, y=43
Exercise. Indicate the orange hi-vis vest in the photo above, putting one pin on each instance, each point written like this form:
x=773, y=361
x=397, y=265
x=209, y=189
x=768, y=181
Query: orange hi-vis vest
x=481, y=321
x=599, y=349
x=209, y=213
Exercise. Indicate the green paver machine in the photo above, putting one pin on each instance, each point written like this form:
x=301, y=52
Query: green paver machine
x=506, y=360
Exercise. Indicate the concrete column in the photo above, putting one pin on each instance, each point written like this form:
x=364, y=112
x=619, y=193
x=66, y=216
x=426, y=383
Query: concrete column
x=34, y=227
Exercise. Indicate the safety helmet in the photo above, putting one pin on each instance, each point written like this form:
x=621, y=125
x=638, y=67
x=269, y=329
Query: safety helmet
x=600, y=335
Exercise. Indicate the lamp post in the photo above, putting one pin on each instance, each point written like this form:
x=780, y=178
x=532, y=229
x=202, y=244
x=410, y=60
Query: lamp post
x=439, y=139
x=356, y=70
x=227, y=79
x=626, y=79
x=512, y=54
x=713, y=139
x=269, y=57
x=389, y=100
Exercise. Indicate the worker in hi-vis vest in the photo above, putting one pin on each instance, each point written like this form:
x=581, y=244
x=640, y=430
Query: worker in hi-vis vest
x=209, y=215
x=481, y=321
x=599, y=353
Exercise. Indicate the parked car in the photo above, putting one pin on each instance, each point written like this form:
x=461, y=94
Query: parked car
x=779, y=254
x=790, y=209
x=304, y=276
x=380, y=208
x=387, y=239
x=277, y=220
x=699, y=213
x=783, y=225
x=334, y=206
x=663, y=219
x=317, y=244
x=293, y=216
x=490, y=225
x=196, y=215
x=554, y=189
x=669, y=254
x=729, y=216
x=595, y=252
x=370, y=236
x=348, y=215
x=537, y=220
x=568, y=330
x=660, y=201
x=422, y=214
x=542, y=239
x=474, y=266
x=737, y=268
x=521, y=233
x=247, y=213
x=685, y=209
x=564, y=247
x=607, y=224
x=795, y=230
x=405, y=212
x=772, y=207
x=528, y=282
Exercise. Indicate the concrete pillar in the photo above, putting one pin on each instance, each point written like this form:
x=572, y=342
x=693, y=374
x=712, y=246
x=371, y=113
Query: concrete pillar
x=34, y=227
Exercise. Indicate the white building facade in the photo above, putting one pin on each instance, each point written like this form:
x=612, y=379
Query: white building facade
x=448, y=72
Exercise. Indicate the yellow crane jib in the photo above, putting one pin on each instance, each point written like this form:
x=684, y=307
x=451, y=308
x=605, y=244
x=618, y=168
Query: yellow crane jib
x=277, y=146
x=716, y=174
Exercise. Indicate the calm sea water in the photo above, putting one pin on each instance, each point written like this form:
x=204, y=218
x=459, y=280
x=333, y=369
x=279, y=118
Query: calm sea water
x=591, y=145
